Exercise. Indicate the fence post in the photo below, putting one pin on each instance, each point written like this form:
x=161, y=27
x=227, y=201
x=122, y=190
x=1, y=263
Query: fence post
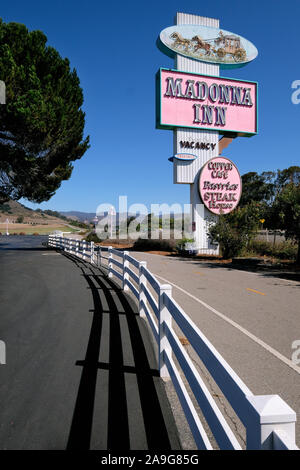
x=125, y=265
x=142, y=282
x=83, y=249
x=92, y=252
x=268, y=413
x=99, y=257
x=164, y=317
x=110, y=274
x=76, y=247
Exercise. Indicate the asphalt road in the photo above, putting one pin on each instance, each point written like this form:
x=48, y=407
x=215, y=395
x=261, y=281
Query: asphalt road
x=251, y=318
x=80, y=370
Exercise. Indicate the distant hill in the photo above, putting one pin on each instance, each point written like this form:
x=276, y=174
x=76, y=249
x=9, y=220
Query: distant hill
x=89, y=216
x=12, y=210
x=77, y=215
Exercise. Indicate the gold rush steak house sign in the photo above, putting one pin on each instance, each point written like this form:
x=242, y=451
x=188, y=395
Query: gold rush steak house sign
x=220, y=185
x=205, y=102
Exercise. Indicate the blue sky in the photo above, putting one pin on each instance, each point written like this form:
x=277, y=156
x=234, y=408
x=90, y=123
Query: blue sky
x=112, y=46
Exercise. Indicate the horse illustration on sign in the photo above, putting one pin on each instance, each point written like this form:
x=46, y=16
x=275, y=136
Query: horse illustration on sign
x=180, y=41
x=208, y=45
x=230, y=45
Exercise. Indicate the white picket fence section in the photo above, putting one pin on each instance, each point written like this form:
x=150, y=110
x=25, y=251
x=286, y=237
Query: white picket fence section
x=268, y=420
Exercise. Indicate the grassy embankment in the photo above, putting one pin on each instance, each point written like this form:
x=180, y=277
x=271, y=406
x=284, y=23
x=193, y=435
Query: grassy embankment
x=31, y=229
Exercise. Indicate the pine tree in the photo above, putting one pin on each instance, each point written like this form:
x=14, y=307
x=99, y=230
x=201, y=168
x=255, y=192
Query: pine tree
x=42, y=124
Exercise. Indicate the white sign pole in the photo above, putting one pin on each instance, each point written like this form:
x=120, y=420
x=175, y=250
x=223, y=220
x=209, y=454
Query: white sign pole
x=200, y=215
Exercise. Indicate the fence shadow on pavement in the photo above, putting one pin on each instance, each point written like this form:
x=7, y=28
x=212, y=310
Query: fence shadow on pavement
x=155, y=428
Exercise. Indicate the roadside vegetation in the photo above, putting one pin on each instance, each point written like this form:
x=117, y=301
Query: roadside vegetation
x=90, y=237
x=286, y=250
x=270, y=200
x=155, y=245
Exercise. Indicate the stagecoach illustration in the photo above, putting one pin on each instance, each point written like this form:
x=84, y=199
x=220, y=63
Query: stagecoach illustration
x=225, y=47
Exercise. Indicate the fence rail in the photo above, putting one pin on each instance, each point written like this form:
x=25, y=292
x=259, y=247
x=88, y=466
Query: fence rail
x=268, y=420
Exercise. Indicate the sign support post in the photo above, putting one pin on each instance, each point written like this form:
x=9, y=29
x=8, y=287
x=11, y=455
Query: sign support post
x=200, y=216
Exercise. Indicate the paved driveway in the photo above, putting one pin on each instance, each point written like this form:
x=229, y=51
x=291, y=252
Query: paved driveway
x=80, y=373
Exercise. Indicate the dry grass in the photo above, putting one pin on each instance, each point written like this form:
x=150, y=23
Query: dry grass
x=30, y=229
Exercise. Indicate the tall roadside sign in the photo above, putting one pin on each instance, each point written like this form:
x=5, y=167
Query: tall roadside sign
x=200, y=106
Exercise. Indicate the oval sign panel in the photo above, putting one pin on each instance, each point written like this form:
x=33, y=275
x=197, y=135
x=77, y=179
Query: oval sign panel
x=207, y=44
x=185, y=156
x=220, y=185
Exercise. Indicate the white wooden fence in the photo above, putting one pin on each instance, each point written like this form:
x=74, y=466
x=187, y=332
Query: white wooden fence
x=269, y=421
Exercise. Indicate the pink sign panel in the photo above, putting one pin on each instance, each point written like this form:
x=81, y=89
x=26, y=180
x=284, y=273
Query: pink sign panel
x=220, y=185
x=206, y=102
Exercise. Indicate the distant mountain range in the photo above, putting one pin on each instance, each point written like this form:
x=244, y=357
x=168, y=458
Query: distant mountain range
x=77, y=215
x=14, y=209
x=89, y=216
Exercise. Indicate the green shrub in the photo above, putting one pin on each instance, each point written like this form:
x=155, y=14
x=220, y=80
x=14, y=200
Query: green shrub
x=180, y=246
x=283, y=250
x=92, y=237
x=148, y=244
x=5, y=208
x=231, y=240
x=79, y=224
x=235, y=230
